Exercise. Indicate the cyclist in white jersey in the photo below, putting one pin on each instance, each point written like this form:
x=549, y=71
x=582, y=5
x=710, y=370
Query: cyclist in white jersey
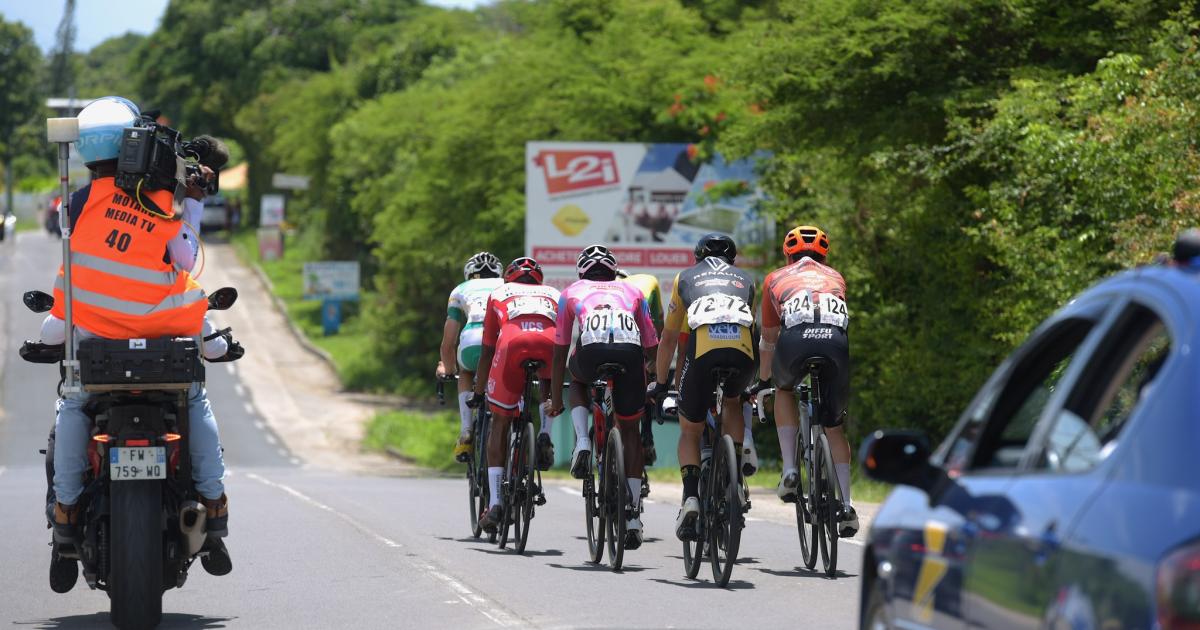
x=462, y=336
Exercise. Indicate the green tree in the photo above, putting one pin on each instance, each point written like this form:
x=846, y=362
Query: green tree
x=20, y=99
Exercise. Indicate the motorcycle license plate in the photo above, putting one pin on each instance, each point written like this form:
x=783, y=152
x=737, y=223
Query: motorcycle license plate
x=129, y=463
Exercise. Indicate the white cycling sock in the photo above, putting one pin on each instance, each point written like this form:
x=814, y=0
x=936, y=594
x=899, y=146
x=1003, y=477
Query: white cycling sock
x=748, y=417
x=843, y=473
x=547, y=420
x=464, y=412
x=787, y=445
x=494, y=473
x=579, y=418
x=635, y=490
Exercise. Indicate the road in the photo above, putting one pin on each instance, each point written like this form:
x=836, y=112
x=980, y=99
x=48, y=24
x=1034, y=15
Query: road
x=315, y=548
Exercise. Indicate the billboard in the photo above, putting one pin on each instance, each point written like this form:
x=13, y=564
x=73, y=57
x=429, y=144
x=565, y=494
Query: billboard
x=646, y=202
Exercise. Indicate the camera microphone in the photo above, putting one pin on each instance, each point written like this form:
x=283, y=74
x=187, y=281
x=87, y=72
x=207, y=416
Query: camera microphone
x=210, y=151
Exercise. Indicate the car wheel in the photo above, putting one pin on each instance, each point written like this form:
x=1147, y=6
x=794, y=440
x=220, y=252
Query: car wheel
x=874, y=615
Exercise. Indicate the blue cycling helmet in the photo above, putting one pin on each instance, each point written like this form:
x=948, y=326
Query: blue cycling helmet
x=101, y=124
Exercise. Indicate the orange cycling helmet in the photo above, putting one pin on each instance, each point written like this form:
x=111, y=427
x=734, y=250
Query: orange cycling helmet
x=806, y=239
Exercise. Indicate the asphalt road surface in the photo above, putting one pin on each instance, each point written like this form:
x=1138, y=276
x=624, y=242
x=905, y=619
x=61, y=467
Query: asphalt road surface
x=320, y=549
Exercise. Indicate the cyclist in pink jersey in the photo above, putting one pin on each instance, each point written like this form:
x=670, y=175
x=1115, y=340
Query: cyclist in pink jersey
x=609, y=322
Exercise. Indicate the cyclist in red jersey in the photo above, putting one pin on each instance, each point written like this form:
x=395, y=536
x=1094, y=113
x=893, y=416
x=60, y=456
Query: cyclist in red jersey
x=518, y=326
x=804, y=315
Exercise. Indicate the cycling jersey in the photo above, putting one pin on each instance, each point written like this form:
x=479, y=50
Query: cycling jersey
x=520, y=325
x=648, y=285
x=711, y=304
x=804, y=292
x=613, y=327
x=468, y=306
x=808, y=300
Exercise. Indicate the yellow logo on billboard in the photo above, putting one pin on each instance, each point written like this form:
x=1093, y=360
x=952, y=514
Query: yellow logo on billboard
x=570, y=220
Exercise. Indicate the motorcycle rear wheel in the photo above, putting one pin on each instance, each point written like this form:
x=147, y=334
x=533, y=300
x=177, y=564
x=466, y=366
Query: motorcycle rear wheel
x=135, y=579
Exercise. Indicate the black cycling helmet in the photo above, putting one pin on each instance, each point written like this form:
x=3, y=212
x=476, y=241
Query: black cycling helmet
x=716, y=244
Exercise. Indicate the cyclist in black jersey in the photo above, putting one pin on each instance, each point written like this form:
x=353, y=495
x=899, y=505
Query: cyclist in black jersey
x=710, y=313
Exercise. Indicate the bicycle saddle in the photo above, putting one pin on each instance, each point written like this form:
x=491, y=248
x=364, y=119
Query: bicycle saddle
x=605, y=370
x=533, y=365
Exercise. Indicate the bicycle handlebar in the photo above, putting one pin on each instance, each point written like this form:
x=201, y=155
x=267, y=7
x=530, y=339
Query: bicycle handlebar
x=441, y=387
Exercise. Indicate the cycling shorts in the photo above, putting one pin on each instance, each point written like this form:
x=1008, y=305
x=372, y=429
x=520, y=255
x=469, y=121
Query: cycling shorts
x=506, y=377
x=830, y=347
x=629, y=388
x=708, y=348
x=470, y=345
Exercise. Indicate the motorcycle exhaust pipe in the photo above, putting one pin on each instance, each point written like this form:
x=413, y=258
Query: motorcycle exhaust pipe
x=192, y=518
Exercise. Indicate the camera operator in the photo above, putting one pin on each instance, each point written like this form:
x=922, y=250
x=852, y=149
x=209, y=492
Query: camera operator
x=131, y=262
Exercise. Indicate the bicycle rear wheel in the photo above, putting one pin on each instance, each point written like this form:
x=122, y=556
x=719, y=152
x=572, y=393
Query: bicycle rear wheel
x=508, y=484
x=474, y=496
x=827, y=506
x=805, y=521
x=594, y=512
x=527, y=489
x=725, y=516
x=615, y=497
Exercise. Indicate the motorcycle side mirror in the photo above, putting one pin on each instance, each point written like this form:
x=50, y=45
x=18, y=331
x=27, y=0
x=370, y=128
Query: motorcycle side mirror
x=222, y=299
x=38, y=301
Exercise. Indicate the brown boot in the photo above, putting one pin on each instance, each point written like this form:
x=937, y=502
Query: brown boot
x=66, y=522
x=217, y=519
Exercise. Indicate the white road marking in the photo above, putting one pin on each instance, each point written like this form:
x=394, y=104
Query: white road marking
x=851, y=541
x=283, y=452
x=2, y=469
x=271, y=439
x=569, y=490
x=249, y=408
x=260, y=425
x=241, y=391
x=295, y=461
x=229, y=366
x=465, y=594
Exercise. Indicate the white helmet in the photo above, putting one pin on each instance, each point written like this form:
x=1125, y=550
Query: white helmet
x=593, y=255
x=483, y=261
x=101, y=124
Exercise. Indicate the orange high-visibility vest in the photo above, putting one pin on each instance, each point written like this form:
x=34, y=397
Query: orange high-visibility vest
x=123, y=286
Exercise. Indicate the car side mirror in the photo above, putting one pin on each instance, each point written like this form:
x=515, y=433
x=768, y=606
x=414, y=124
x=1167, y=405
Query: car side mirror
x=222, y=299
x=899, y=457
x=38, y=301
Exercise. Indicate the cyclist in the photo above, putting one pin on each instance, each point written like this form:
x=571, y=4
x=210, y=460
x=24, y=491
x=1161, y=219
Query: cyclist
x=519, y=326
x=804, y=315
x=463, y=333
x=709, y=313
x=648, y=285
x=613, y=327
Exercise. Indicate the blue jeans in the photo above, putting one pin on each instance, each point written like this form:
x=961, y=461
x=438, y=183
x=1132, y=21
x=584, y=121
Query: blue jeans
x=73, y=430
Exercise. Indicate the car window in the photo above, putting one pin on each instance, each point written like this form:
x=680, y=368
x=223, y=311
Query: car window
x=1002, y=423
x=1120, y=374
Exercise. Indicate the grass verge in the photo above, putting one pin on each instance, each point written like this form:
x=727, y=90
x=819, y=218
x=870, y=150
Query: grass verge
x=428, y=439
x=27, y=224
x=350, y=347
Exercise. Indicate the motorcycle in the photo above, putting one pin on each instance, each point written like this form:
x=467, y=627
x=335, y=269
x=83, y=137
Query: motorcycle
x=141, y=521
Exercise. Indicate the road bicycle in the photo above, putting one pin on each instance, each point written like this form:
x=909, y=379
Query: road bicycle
x=721, y=494
x=607, y=504
x=819, y=498
x=478, y=492
x=520, y=488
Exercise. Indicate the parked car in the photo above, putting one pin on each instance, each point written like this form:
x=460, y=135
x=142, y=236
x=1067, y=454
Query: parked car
x=1068, y=493
x=213, y=217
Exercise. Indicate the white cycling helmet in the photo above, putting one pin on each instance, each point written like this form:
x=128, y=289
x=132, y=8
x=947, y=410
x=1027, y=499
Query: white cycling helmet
x=101, y=124
x=483, y=261
x=595, y=255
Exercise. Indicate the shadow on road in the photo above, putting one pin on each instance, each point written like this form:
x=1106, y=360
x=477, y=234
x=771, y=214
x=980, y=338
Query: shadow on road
x=629, y=568
x=806, y=573
x=734, y=585
x=528, y=552
x=100, y=620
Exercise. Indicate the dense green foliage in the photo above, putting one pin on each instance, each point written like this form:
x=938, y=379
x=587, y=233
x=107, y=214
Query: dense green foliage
x=20, y=98
x=976, y=162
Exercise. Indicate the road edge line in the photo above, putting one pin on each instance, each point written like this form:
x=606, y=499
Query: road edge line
x=483, y=605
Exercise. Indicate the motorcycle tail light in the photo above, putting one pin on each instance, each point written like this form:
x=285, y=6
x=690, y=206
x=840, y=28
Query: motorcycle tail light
x=102, y=438
x=172, y=437
x=137, y=442
x=1178, y=589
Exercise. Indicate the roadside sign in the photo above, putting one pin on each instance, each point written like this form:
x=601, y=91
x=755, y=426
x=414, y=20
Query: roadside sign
x=271, y=210
x=270, y=243
x=284, y=181
x=331, y=280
